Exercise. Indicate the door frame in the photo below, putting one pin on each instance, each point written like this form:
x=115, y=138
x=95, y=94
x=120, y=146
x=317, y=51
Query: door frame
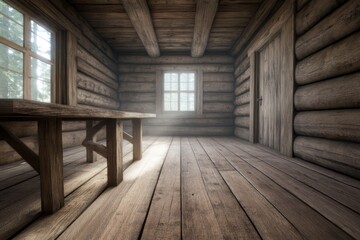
x=281, y=23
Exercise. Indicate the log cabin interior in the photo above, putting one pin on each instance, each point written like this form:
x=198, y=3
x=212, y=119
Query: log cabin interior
x=180, y=119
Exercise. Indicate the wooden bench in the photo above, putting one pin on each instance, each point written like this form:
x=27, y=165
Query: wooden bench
x=49, y=162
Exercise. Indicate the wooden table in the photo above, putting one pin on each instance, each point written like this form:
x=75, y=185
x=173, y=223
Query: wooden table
x=49, y=162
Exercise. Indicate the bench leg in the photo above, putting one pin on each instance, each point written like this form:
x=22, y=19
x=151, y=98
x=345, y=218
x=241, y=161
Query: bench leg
x=137, y=139
x=90, y=154
x=114, y=138
x=51, y=165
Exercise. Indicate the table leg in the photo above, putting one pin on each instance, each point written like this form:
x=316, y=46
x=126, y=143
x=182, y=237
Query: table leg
x=90, y=154
x=137, y=139
x=51, y=164
x=114, y=138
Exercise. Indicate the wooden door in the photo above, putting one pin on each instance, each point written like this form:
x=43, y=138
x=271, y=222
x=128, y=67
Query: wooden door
x=268, y=97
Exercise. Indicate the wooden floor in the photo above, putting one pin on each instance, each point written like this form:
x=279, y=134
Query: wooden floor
x=190, y=188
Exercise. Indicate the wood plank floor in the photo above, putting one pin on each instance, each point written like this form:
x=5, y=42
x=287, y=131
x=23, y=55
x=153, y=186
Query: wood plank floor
x=186, y=188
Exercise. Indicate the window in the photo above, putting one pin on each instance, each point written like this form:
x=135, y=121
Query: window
x=26, y=56
x=179, y=92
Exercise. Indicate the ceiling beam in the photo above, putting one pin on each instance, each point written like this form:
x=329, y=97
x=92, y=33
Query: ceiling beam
x=205, y=14
x=139, y=14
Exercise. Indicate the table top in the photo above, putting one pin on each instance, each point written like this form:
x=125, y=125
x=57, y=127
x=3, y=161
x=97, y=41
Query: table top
x=19, y=108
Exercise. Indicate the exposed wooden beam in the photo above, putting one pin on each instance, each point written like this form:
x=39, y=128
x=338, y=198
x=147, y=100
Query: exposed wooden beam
x=256, y=21
x=21, y=148
x=205, y=14
x=140, y=18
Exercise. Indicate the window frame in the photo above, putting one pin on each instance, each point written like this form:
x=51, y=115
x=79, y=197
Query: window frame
x=56, y=56
x=198, y=91
x=179, y=91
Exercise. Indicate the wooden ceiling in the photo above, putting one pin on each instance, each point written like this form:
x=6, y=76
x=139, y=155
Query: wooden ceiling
x=125, y=27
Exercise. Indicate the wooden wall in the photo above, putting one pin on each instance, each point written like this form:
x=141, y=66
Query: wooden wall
x=327, y=99
x=91, y=74
x=138, y=86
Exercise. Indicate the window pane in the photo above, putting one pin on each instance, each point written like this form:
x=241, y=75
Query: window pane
x=11, y=72
x=11, y=23
x=187, y=102
x=40, y=80
x=40, y=40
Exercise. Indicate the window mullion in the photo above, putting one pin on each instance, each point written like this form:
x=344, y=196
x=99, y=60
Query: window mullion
x=27, y=54
x=178, y=78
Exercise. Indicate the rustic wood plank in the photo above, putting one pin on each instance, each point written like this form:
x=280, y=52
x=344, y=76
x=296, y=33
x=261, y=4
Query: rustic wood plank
x=260, y=211
x=139, y=14
x=338, y=59
x=174, y=59
x=336, y=93
x=310, y=223
x=36, y=109
x=340, y=156
x=125, y=207
x=228, y=212
x=328, y=186
x=342, y=22
x=51, y=165
x=114, y=142
x=22, y=149
x=209, y=67
x=76, y=202
x=164, y=217
x=341, y=125
x=195, y=200
x=205, y=14
x=329, y=208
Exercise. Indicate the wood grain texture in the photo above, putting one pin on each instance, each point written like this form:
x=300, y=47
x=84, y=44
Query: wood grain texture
x=252, y=163
x=242, y=133
x=313, y=12
x=139, y=14
x=337, y=93
x=340, y=156
x=51, y=165
x=114, y=148
x=137, y=139
x=204, y=17
x=195, y=200
x=342, y=22
x=164, y=217
x=338, y=59
x=36, y=109
x=22, y=149
x=342, y=125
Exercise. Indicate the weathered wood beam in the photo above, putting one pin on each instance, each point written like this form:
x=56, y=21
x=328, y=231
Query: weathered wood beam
x=98, y=148
x=21, y=148
x=137, y=139
x=127, y=137
x=255, y=23
x=139, y=15
x=205, y=14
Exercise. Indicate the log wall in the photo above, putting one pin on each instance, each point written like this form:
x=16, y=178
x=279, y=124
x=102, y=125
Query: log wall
x=138, y=92
x=327, y=98
x=92, y=74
